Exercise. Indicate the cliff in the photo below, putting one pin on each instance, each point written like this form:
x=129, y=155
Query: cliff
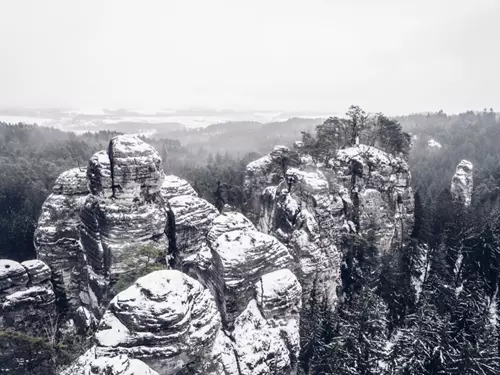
x=309, y=206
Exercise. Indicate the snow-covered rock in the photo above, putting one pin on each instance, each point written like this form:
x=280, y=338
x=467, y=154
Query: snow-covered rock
x=262, y=348
x=166, y=319
x=241, y=258
x=191, y=218
x=174, y=186
x=432, y=143
x=462, y=183
x=27, y=299
x=124, y=213
x=57, y=235
x=228, y=222
x=234, y=310
x=263, y=172
x=168, y=323
x=38, y=271
x=310, y=205
x=91, y=364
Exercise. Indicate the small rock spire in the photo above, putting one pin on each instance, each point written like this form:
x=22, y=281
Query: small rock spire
x=462, y=183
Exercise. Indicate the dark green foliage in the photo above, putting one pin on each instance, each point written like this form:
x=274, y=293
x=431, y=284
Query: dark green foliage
x=21, y=354
x=360, y=339
x=31, y=158
x=336, y=133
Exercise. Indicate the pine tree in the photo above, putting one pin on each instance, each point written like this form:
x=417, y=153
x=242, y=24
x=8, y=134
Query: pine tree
x=473, y=336
x=361, y=336
x=422, y=347
x=421, y=227
x=311, y=325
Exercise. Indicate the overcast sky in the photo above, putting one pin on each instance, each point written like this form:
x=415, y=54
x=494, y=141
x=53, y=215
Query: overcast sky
x=392, y=56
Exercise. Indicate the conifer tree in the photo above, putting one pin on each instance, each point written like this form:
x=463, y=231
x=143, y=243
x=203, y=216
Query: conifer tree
x=359, y=346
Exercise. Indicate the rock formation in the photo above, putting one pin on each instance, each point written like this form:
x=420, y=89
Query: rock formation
x=168, y=323
x=462, y=183
x=231, y=306
x=57, y=235
x=27, y=299
x=91, y=364
x=191, y=218
x=124, y=212
x=309, y=205
x=95, y=220
x=432, y=143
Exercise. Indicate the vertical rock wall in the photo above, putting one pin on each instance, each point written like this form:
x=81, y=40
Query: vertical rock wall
x=309, y=206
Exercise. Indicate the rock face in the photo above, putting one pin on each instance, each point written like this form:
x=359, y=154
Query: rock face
x=462, y=183
x=27, y=299
x=174, y=186
x=57, y=235
x=308, y=205
x=229, y=304
x=191, y=219
x=168, y=323
x=166, y=319
x=95, y=221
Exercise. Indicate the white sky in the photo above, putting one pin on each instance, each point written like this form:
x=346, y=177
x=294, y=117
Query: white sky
x=394, y=56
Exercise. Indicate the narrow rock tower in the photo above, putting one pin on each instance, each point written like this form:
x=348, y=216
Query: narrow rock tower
x=462, y=183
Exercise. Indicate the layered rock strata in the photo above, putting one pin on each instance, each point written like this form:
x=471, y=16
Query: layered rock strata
x=168, y=323
x=57, y=234
x=124, y=213
x=27, y=299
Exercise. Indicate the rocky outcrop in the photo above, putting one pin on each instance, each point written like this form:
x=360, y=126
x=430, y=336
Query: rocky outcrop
x=462, y=183
x=309, y=206
x=57, y=235
x=96, y=220
x=231, y=303
x=91, y=364
x=27, y=299
x=432, y=143
x=166, y=319
x=168, y=323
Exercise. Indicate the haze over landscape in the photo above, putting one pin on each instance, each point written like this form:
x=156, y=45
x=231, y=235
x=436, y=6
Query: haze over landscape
x=309, y=58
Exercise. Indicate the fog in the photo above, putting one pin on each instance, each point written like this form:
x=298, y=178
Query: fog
x=395, y=57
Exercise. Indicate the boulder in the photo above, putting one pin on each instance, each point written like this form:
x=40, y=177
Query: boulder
x=167, y=320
